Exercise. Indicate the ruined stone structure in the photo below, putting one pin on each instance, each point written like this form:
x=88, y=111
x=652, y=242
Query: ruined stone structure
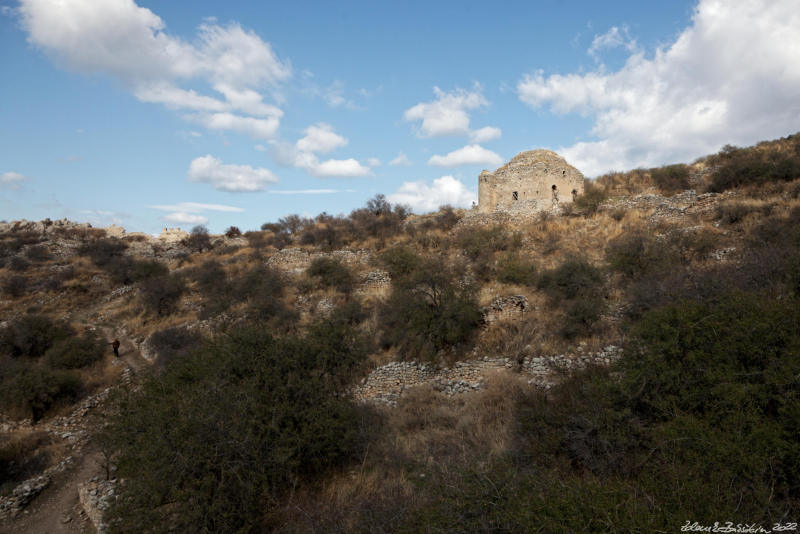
x=532, y=181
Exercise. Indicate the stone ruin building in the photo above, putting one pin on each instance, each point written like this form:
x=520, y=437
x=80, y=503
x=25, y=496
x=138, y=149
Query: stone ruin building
x=532, y=181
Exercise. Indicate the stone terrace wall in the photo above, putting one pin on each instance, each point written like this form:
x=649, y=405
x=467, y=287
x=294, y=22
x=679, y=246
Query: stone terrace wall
x=386, y=384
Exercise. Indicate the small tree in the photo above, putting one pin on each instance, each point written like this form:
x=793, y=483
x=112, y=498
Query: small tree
x=199, y=239
x=233, y=231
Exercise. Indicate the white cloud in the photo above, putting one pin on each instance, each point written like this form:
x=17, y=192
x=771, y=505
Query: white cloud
x=310, y=191
x=12, y=180
x=195, y=207
x=448, y=114
x=128, y=42
x=613, y=38
x=339, y=167
x=254, y=127
x=181, y=217
x=373, y=162
x=236, y=178
x=423, y=197
x=731, y=77
x=401, y=160
x=487, y=133
x=320, y=138
x=468, y=155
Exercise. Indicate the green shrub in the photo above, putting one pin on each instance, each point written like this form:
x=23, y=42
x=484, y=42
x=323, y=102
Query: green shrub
x=215, y=441
x=18, y=264
x=736, y=167
x=102, y=251
x=33, y=389
x=576, y=277
x=429, y=310
x=477, y=242
x=160, y=295
x=332, y=273
x=15, y=285
x=38, y=253
x=514, y=270
x=671, y=178
x=590, y=200
x=633, y=253
x=125, y=270
x=31, y=336
x=76, y=352
x=733, y=212
x=400, y=261
x=174, y=343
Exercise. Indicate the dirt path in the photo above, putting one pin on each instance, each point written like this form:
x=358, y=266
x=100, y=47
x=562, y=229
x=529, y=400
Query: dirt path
x=57, y=510
x=128, y=352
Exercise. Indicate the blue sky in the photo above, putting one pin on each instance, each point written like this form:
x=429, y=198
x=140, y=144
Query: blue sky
x=151, y=114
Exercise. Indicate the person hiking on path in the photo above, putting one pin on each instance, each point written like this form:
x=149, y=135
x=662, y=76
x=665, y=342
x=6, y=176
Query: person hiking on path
x=115, y=346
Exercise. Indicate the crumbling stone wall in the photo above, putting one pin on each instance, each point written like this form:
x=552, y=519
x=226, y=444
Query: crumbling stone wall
x=532, y=181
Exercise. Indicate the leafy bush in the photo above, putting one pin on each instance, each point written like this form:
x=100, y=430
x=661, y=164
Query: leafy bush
x=160, y=295
x=576, y=277
x=671, y=178
x=477, y=242
x=590, y=200
x=233, y=231
x=31, y=336
x=514, y=270
x=220, y=437
x=735, y=167
x=18, y=264
x=262, y=288
x=33, y=389
x=429, y=310
x=23, y=457
x=102, y=251
x=332, y=273
x=633, y=253
x=15, y=286
x=400, y=261
x=38, y=253
x=733, y=212
x=171, y=344
x=125, y=270
x=76, y=352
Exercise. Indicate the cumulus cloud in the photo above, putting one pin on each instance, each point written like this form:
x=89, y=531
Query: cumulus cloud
x=120, y=39
x=190, y=212
x=468, y=155
x=448, y=114
x=487, y=133
x=235, y=178
x=423, y=197
x=196, y=207
x=732, y=76
x=373, y=162
x=257, y=128
x=319, y=139
x=401, y=160
x=310, y=191
x=181, y=217
x=12, y=180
